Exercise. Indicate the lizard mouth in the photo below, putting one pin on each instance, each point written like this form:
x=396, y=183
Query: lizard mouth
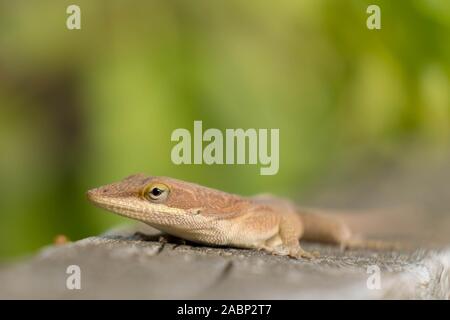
x=113, y=206
x=131, y=209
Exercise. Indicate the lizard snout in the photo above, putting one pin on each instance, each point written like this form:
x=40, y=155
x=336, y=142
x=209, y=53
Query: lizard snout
x=90, y=194
x=97, y=193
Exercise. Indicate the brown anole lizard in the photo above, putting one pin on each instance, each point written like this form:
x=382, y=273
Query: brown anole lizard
x=212, y=217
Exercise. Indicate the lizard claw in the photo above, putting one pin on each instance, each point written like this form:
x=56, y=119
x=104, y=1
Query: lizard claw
x=301, y=254
x=295, y=253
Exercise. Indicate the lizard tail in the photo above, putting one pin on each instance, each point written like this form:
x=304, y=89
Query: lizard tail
x=349, y=230
x=357, y=243
x=323, y=227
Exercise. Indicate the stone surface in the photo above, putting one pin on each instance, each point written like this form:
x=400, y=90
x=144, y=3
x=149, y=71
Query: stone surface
x=126, y=264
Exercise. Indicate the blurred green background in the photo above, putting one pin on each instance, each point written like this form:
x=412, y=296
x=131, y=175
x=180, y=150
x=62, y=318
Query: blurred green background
x=82, y=108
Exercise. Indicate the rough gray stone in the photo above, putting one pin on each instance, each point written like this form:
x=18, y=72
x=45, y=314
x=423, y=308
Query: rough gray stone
x=126, y=264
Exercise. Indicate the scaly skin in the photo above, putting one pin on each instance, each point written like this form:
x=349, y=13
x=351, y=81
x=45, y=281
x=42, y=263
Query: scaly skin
x=213, y=217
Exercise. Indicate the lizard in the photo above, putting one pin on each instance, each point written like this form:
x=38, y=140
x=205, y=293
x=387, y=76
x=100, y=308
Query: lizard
x=212, y=217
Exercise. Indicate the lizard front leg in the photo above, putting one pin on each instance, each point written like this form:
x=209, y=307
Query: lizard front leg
x=286, y=241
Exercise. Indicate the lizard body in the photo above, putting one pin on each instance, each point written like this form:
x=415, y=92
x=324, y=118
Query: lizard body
x=208, y=216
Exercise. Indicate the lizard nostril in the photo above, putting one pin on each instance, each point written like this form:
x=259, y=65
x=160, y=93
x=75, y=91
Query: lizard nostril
x=105, y=190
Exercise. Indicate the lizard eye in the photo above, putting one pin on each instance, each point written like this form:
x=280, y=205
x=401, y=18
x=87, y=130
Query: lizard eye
x=156, y=191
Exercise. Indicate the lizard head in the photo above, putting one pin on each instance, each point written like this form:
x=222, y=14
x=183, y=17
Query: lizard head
x=163, y=201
